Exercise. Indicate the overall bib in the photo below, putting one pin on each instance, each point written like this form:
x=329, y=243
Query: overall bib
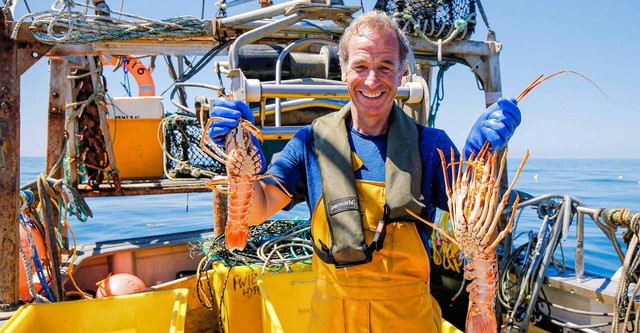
x=390, y=293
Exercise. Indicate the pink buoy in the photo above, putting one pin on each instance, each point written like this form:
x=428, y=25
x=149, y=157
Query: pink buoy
x=119, y=284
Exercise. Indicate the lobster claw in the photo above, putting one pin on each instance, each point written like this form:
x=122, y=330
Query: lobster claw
x=252, y=128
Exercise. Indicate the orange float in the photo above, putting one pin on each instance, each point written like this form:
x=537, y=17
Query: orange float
x=25, y=295
x=140, y=73
x=119, y=284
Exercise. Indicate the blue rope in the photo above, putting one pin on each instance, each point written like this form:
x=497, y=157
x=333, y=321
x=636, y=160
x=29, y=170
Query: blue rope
x=27, y=223
x=41, y=276
x=126, y=85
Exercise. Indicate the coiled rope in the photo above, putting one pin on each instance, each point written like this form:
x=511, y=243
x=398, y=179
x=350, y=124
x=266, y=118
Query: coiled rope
x=62, y=25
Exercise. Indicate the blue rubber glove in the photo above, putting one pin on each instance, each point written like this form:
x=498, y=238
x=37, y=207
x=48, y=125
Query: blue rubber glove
x=230, y=111
x=496, y=125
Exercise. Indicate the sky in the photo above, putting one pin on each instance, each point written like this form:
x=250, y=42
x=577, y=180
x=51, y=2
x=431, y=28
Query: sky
x=565, y=117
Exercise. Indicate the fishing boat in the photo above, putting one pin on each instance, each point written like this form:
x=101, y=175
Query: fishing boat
x=282, y=60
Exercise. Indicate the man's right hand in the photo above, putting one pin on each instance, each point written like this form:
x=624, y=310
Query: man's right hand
x=229, y=112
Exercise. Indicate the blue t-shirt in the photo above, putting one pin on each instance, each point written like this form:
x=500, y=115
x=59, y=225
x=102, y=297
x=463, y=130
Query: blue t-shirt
x=297, y=168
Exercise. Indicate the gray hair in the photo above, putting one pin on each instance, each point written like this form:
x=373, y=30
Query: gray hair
x=377, y=21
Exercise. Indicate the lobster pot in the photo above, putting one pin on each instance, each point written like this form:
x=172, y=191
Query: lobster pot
x=433, y=19
x=243, y=307
x=183, y=156
x=133, y=125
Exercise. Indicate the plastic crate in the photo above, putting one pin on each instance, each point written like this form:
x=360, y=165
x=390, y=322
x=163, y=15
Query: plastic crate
x=151, y=312
x=242, y=302
x=134, y=132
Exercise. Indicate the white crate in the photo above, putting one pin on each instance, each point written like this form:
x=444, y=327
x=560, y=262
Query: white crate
x=136, y=107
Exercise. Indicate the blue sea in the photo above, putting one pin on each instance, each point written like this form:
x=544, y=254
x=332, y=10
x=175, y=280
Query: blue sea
x=596, y=183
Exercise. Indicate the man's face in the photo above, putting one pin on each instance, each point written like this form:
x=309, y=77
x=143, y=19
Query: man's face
x=373, y=72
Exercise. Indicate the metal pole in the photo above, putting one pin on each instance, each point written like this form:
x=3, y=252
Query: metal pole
x=254, y=15
x=9, y=166
x=269, y=90
x=58, y=86
x=259, y=33
x=16, y=57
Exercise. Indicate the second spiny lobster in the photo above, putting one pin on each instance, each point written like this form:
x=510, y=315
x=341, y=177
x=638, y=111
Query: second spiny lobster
x=475, y=207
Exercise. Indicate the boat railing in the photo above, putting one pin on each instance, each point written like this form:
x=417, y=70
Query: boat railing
x=535, y=257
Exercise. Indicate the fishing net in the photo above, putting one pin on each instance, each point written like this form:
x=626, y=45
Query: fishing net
x=183, y=156
x=435, y=19
x=272, y=245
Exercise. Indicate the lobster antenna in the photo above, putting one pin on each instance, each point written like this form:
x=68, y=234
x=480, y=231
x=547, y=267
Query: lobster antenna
x=541, y=79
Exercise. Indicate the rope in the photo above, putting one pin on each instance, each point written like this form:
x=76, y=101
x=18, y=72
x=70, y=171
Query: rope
x=27, y=268
x=609, y=228
x=290, y=239
x=630, y=265
x=438, y=94
x=65, y=26
x=446, y=253
x=27, y=224
x=484, y=17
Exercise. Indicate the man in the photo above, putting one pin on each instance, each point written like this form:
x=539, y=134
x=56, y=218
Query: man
x=362, y=167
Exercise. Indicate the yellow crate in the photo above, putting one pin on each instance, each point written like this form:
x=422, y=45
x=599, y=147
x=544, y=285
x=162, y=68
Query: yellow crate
x=242, y=303
x=138, y=153
x=290, y=297
x=160, y=311
x=284, y=308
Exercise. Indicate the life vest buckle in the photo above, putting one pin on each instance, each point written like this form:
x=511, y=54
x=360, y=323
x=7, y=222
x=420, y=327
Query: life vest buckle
x=381, y=231
x=326, y=254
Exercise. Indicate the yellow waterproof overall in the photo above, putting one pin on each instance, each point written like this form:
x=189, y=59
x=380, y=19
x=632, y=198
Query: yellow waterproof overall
x=390, y=293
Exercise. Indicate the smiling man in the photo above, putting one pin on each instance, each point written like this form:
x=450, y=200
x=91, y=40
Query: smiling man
x=361, y=168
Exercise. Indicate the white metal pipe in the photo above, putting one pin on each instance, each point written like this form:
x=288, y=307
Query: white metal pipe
x=301, y=43
x=254, y=15
x=308, y=91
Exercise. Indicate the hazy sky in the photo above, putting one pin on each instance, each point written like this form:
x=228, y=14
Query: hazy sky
x=565, y=117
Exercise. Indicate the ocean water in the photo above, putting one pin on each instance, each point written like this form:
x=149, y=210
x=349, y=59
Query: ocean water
x=596, y=183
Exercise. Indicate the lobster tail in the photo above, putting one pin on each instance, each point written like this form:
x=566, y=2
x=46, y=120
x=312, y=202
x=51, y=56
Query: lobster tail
x=236, y=236
x=482, y=295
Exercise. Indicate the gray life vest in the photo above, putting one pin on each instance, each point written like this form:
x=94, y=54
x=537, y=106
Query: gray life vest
x=403, y=175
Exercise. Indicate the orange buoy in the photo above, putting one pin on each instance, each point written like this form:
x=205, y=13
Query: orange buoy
x=25, y=295
x=119, y=284
x=142, y=75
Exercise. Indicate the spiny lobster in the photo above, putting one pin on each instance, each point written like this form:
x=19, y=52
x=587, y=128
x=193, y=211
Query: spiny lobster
x=475, y=208
x=242, y=161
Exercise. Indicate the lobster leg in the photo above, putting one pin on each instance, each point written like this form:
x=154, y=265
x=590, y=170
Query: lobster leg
x=215, y=185
x=218, y=154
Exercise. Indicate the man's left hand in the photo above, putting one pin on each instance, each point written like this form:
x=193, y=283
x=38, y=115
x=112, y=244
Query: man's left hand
x=496, y=125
